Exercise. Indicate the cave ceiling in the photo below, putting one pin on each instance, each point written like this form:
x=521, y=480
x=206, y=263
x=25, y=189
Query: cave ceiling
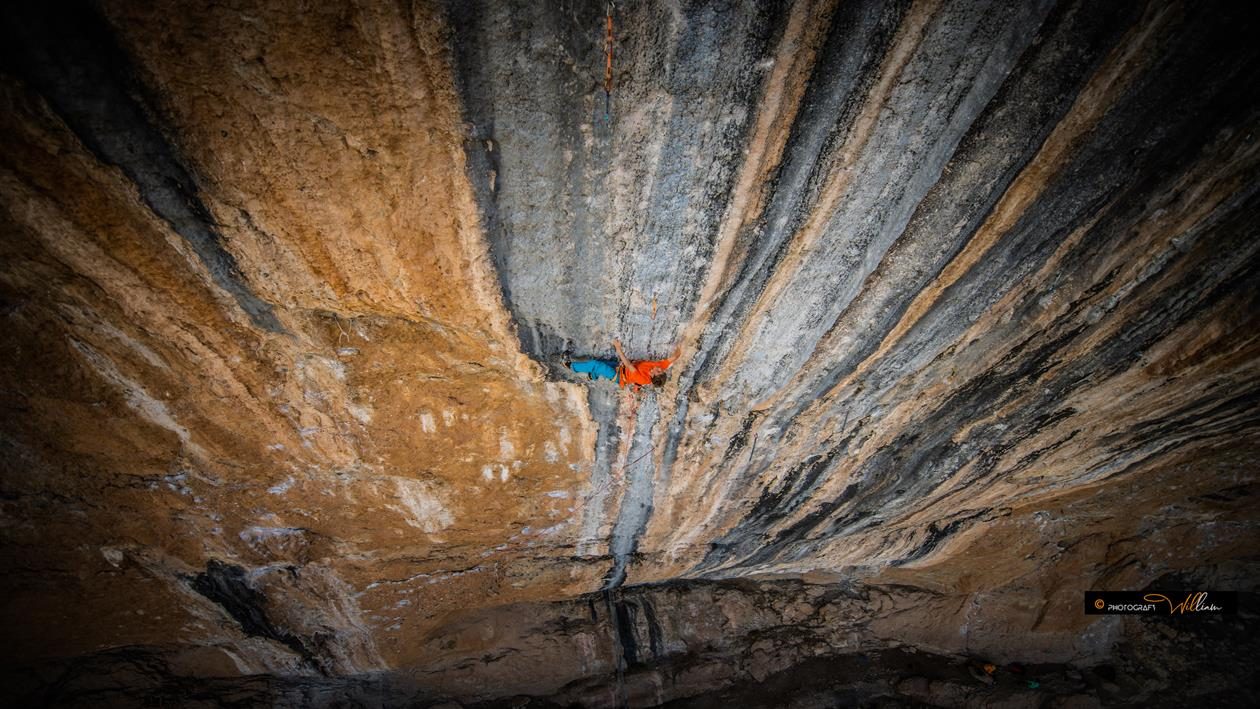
x=967, y=294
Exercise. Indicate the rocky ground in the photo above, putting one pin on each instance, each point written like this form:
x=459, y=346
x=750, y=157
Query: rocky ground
x=777, y=644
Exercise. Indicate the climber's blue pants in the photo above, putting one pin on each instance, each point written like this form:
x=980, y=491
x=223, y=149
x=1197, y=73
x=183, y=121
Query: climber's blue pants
x=606, y=368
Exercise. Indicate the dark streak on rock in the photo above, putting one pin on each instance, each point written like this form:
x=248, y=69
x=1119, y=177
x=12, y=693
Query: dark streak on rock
x=654, y=629
x=842, y=74
x=937, y=534
x=627, y=615
x=67, y=53
x=227, y=585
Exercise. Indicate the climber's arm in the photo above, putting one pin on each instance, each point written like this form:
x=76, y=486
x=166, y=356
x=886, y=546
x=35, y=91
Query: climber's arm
x=622, y=355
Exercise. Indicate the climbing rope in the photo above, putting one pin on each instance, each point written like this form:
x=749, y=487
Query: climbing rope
x=641, y=457
x=608, y=54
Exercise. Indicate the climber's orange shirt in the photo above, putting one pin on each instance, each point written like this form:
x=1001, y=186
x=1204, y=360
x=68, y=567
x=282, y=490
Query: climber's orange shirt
x=641, y=373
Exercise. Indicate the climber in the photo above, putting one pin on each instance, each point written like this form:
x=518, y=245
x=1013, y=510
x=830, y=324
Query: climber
x=637, y=373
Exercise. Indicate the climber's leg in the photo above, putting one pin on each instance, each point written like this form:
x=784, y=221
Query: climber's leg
x=594, y=368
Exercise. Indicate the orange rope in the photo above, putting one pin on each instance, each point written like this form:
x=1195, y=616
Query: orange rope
x=608, y=54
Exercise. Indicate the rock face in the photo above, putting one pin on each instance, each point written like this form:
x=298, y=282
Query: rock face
x=967, y=296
